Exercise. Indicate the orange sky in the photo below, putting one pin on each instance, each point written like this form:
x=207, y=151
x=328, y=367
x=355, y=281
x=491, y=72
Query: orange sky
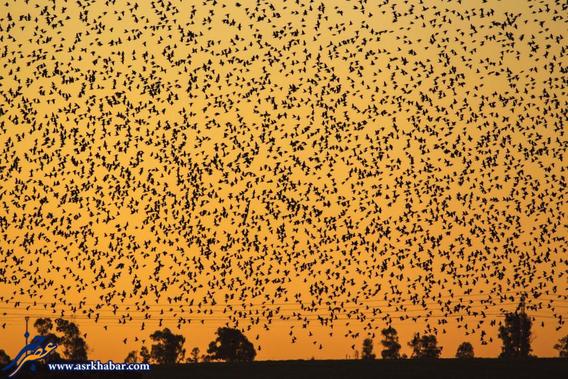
x=263, y=151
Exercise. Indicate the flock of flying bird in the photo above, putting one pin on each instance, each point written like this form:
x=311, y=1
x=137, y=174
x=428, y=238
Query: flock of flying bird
x=258, y=161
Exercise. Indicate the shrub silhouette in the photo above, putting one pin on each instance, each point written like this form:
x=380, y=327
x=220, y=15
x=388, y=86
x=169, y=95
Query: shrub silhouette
x=4, y=358
x=465, y=351
x=562, y=347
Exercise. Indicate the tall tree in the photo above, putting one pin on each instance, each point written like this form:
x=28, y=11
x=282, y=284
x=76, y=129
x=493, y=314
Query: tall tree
x=425, y=347
x=562, y=347
x=465, y=351
x=74, y=346
x=390, y=343
x=516, y=335
x=367, y=351
x=44, y=327
x=167, y=348
x=231, y=345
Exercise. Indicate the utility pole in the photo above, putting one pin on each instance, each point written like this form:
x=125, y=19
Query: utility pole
x=27, y=334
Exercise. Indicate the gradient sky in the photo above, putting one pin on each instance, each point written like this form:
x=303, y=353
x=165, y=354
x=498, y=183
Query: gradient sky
x=251, y=162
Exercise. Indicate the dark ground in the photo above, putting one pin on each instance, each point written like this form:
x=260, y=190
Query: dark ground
x=442, y=368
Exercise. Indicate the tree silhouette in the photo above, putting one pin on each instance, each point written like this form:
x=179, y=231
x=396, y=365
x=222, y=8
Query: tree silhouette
x=425, y=347
x=167, y=348
x=516, y=335
x=231, y=346
x=4, y=358
x=194, y=357
x=145, y=354
x=367, y=351
x=74, y=346
x=43, y=326
x=562, y=347
x=465, y=351
x=132, y=357
x=390, y=343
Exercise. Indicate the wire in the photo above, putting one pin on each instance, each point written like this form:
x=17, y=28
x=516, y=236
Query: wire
x=461, y=296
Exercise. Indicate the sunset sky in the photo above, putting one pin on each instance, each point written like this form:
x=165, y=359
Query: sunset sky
x=271, y=164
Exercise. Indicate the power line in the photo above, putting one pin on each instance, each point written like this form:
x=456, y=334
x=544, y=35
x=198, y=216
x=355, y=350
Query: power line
x=382, y=309
x=326, y=317
x=366, y=300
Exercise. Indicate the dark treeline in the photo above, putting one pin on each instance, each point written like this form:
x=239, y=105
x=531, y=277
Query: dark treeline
x=515, y=334
x=231, y=345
